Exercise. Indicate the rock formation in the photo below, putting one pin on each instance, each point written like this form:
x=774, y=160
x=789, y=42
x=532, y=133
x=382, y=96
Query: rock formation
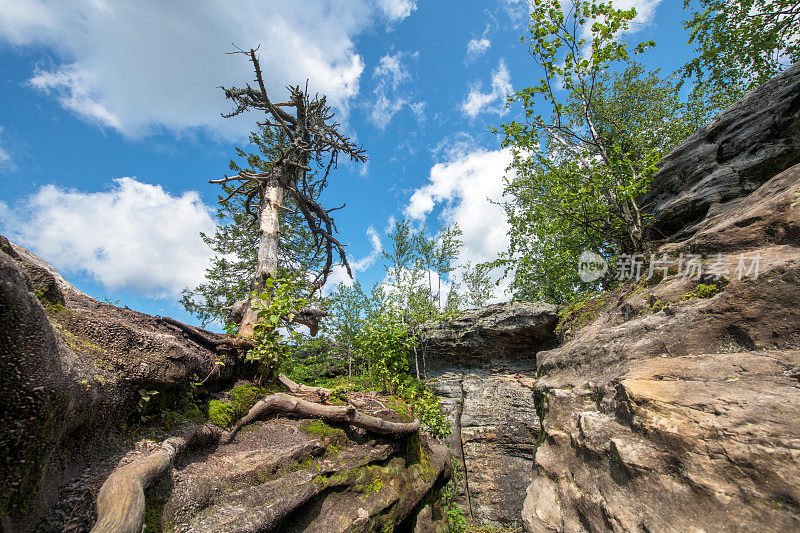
x=752, y=141
x=482, y=365
x=677, y=406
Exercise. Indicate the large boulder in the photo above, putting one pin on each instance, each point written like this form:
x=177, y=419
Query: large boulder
x=755, y=139
x=476, y=337
x=482, y=365
x=677, y=407
x=70, y=371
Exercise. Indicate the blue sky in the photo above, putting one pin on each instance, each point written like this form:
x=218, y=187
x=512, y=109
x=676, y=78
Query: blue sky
x=110, y=122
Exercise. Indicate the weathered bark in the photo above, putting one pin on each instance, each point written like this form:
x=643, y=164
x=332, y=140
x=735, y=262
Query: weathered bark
x=206, y=339
x=269, y=226
x=299, y=387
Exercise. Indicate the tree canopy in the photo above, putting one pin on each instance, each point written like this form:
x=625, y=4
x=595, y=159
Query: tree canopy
x=739, y=45
x=577, y=174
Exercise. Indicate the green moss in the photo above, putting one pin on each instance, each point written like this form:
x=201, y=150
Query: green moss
x=80, y=344
x=245, y=396
x=320, y=429
x=305, y=464
x=704, y=290
x=155, y=497
x=52, y=304
x=241, y=398
x=580, y=313
x=220, y=413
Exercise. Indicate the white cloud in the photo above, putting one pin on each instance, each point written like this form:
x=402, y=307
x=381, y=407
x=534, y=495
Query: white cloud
x=477, y=47
x=360, y=265
x=390, y=74
x=427, y=279
x=465, y=189
x=397, y=9
x=133, y=236
x=390, y=222
x=339, y=273
x=519, y=11
x=492, y=101
x=141, y=66
x=5, y=157
x=337, y=276
x=645, y=11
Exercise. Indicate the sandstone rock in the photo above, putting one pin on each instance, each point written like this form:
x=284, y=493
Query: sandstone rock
x=495, y=332
x=483, y=366
x=686, y=420
x=749, y=143
x=71, y=368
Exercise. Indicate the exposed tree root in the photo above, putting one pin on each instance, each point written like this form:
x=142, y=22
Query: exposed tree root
x=345, y=414
x=121, y=503
x=306, y=316
x=208, y=339
x=300, y=388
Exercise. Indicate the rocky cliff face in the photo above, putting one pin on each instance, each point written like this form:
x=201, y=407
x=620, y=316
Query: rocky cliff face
x=752, y=141
x=482, y=365
x=677, y=407
x=672, y=403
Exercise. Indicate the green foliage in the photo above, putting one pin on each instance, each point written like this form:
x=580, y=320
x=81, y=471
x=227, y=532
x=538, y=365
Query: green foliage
x=477, y=284
x=275, y=304
x=454, y=514
x=145, y=396
x=579, y=172
x=426, y=406
x=385, y=341
x=410, y=262
x=739, y=45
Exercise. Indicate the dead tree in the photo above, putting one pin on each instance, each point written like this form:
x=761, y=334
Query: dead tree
x=301, y=171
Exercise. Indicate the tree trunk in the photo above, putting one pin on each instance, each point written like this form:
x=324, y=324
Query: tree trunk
x=269, y=225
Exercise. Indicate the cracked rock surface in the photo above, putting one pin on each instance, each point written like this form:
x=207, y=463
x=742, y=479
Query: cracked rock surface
x=482, y=367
